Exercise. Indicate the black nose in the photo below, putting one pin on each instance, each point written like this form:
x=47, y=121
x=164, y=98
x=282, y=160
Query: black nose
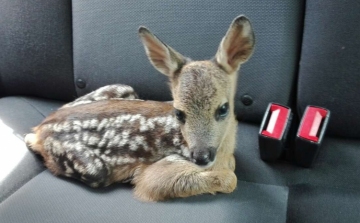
x=202, y=157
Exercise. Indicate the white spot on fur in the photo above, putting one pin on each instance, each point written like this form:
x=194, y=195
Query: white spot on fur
x=102, y=142
x=141, y=141
x=98, y=163
x=185, y=151
x=68, y=145
x=102, y=124
x=57, y=148
x=66, y=127
x=114, y=161
x=77, y=137
x=93, y=140
x=86, y=154
x=76, y=126
x=125, y=138
x=57, y=127
x=174, y=158
x=85, y=136
x=105, y=158
x=79, y=147
x=94, y=123
x=86, y=124
x=114, y=141
x=134, y=118
x=110, y=134
x=68, y=169
x=79, y=168
x=176, y=141
x=133, y=146
x=150, y=123
x=70, y=156
x=48, y=143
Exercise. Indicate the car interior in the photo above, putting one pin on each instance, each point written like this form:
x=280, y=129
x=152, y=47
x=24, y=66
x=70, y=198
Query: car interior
x=307, y=53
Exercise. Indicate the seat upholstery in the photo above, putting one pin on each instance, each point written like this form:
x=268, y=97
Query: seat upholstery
x=36, y=49
x=59, y=200
x=266, y=192
x=329, y=67
x=19, y=115
x=107, y=49
x=100, y=37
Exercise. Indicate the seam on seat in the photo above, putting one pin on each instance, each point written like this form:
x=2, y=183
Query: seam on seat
x=26, y=181
x=28, y=102
x=14, y=191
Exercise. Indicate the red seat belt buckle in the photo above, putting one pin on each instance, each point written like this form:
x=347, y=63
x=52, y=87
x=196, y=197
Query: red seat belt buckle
x=310, y=135
x=273, y=131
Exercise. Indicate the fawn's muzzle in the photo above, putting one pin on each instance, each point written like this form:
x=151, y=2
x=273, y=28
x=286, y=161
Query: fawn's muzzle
x=202, y=157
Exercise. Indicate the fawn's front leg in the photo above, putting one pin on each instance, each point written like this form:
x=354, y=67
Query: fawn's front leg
x=175, y=177
x=115, y=91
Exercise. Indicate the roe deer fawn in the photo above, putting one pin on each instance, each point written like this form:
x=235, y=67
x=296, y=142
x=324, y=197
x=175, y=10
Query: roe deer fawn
x=166, y=150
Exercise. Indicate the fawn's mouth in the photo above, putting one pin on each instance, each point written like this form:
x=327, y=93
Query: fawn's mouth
x=209, y=165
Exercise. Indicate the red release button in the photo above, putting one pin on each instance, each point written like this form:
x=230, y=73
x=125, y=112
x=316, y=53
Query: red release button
x=277, y=121
x=310, y=127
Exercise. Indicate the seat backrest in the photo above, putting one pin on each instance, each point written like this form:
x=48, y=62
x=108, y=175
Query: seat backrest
x=62, y=49
x=330, y=63
x=36, y=49
x=107, y=49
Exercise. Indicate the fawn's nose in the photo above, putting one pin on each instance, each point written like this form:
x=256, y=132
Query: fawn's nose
x=202, y=157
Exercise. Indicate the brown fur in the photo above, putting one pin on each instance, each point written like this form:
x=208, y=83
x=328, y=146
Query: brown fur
x=164, y=167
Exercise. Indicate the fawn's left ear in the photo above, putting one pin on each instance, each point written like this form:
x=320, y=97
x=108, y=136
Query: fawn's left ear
x=237, y=45
x=162, y=57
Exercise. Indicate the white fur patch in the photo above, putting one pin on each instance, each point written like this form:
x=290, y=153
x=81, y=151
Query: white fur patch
x=174, y=158
x=93, y=140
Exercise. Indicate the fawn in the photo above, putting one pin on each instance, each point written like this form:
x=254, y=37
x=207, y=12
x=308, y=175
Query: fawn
x=166, y=150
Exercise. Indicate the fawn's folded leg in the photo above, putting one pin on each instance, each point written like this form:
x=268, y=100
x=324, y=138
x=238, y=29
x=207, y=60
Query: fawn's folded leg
x=175, y=177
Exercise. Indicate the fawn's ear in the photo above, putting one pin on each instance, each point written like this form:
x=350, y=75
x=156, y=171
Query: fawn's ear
x=237, y=45
x=162, y=57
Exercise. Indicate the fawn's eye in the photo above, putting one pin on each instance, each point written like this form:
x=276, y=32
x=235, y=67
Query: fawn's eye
x=180, y=115
x=222, y=111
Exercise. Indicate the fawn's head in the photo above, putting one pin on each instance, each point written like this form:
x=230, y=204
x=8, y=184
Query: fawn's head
x=203, y=91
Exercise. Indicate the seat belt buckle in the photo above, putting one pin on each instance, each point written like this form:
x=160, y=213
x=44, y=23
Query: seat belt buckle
x=274, y=131
x=310, y=135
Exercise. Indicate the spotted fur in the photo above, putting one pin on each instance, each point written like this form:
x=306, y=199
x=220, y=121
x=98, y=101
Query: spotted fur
x=110, y=135
x=89, y=145
x=115, y=91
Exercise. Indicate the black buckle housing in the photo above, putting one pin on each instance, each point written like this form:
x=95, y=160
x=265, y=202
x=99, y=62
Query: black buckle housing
x=274, y=131
x=310, y=135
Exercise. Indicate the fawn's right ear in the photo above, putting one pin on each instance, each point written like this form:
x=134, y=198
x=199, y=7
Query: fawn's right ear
x=237, y=45
x=162, y=57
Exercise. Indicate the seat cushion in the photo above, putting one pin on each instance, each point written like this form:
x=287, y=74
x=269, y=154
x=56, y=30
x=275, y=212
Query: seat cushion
x=322, y=204
x=266, y=192
x=337, y=164
x=63, y=200
x=17, y=116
